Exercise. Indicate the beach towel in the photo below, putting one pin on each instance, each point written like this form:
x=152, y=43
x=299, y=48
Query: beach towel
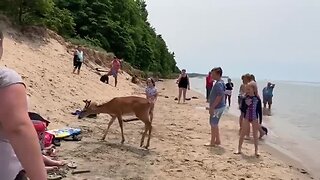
x=65, y=132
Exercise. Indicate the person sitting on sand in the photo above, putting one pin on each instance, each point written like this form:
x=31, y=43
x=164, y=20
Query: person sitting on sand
x=77, y=59
x=115, y=68
x=267, y=94
x=209, y=84
x=228, y=92
x=151, y=94
x=20, y=155
x=252, y=109
x=216, y=105
x=183, y=84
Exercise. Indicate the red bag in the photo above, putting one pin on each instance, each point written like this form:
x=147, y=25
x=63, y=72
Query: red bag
x=41, y=130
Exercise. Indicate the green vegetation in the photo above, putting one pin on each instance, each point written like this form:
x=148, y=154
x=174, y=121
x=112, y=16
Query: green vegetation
x=118, y=26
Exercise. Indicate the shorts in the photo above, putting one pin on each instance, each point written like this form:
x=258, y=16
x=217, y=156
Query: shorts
x=114, y=72
x=267, y=100
x=228, y=92
x=214, y=120
x=77, y=64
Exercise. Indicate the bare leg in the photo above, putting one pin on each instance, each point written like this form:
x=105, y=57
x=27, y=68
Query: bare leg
x=49, y=162
x=151, y=112
x=243, y=132
x=184, y=94
x=229, y=99
x=78, y=71
x=240, y=122
x=217, y=135
x=269, y=106
x=106, y=131
x=180, y=93
x=213, y=136
x=255, y=129
x=74, y=70
x=115, y=81
x=121, y=127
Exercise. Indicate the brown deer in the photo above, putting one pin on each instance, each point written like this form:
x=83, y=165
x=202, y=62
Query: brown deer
x=122, y=106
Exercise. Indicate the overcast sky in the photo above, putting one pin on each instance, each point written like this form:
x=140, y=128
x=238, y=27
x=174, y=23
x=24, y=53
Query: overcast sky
x=274, y=39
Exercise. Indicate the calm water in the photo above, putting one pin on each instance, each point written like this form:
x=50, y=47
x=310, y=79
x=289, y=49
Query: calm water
x=295, y=120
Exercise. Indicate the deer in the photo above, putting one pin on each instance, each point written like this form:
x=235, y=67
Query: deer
x=119, y=107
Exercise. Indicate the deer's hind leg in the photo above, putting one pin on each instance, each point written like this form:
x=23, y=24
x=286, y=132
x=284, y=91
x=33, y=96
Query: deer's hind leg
x=121, y=127
x=106, y=131
x=147, y=127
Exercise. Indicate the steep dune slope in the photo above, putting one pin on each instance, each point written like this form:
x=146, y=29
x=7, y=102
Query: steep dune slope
x=54, y=91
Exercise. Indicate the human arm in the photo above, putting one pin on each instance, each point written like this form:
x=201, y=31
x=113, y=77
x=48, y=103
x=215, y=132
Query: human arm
x=178, y=80
x=219, y=96
x=1, y=44
x=259, y=111
x=188, y=82
x=20, y=132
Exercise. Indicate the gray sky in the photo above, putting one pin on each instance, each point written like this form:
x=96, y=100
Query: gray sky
x=274, y=39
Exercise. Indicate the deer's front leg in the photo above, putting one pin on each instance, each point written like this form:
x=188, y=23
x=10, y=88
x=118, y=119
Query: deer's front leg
x=106, y=131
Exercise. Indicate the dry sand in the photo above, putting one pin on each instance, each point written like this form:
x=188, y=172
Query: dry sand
x=180, y=131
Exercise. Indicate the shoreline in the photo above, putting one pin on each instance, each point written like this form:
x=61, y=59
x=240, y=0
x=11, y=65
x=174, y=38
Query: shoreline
x=275, y=149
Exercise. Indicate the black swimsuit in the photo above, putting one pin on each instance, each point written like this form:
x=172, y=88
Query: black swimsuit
x=184, y=82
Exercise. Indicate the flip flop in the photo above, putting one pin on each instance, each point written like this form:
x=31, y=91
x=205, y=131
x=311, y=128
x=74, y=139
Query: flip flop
x=72, y=165
x=209, y=145
x=54, y=177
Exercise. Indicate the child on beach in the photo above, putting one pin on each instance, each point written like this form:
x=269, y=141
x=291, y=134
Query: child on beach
x=252, y=112
x=151, y=94
x=217, y=105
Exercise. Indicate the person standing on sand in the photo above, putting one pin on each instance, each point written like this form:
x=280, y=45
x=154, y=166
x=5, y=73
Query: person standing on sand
x=20, y=153
x=183, y=84
x=151, y=94
x=77, y=60
x=229, y=88
x=252, y=110
x=209, y=84
x=267, y=94
x=115, y=68
x=216, y=105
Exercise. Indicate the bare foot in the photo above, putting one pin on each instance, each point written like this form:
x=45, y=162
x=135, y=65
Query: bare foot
x=217, y=143
x=257, y=155
x=238, y=152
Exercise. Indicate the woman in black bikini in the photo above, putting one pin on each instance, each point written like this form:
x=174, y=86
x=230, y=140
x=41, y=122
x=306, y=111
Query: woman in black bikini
x=183, y=84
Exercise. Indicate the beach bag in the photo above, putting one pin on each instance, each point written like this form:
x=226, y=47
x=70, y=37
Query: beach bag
x=40, y=128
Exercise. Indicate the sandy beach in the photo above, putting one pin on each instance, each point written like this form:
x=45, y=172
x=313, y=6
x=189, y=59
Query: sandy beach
x=180, y=131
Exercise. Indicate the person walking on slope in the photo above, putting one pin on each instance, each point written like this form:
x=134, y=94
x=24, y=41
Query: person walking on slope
x=20, y=153
x=77, y=60
x=114, y=71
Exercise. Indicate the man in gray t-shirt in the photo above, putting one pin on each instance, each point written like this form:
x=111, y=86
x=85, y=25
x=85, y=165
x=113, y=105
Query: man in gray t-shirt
x=217, y=104
x=19, y=144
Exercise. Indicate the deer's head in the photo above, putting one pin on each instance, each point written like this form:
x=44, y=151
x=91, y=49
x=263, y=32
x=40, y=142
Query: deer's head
x=88, y=109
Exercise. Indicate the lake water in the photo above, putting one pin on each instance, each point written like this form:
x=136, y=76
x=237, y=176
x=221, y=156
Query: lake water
x=295, y=121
